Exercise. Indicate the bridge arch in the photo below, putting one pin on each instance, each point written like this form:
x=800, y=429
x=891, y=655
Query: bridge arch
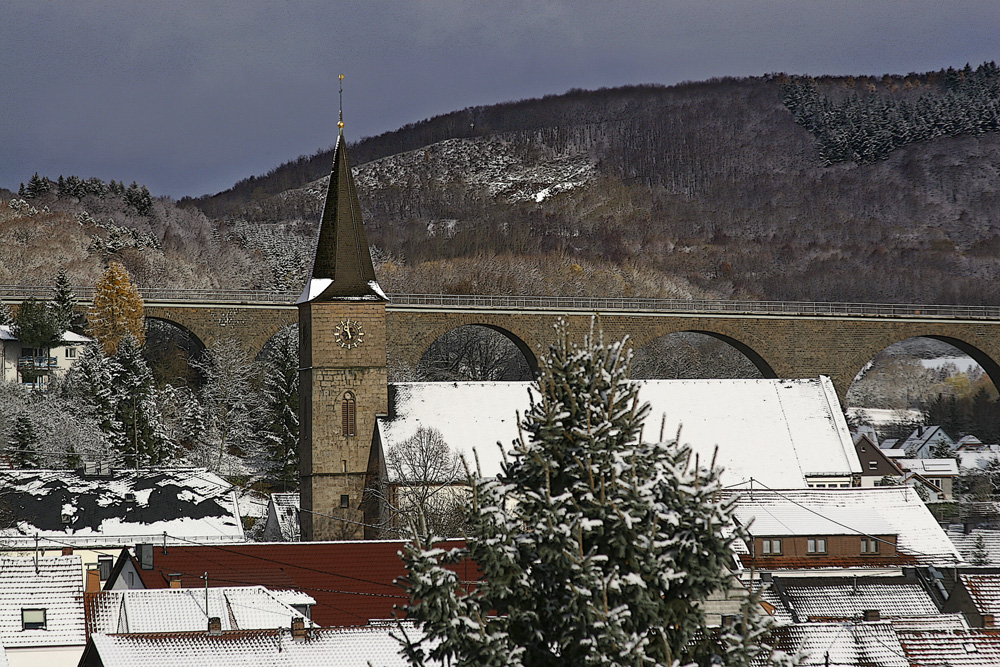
x=643, y=344
x=985, y=360
x=484, y=351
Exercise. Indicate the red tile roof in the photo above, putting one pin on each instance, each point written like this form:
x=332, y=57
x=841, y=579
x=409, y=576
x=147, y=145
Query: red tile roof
x=352, y=582
x=814, y=562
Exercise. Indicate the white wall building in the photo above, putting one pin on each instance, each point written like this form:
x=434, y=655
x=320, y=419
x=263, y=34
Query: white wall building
x=33, y=367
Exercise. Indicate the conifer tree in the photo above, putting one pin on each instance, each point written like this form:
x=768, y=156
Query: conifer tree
x=979, y=555
x=281, y=388
x=94, y=377
x=6, y=317
x=117, y=310
x=595, y=548
x=24, y=443
x=35, y=325
x=136, y=410
x=64, y=301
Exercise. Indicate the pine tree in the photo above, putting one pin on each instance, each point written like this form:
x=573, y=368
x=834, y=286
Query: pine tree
x=94, y=378
x=117, y=310
x=595, y=548
x=35, y=325
x=6, y=317
x=281, y=388
x=24, y=443
x=64, y=301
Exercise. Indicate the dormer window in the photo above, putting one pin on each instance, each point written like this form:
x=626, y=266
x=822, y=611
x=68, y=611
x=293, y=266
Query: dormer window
x=869, y=545
x=816, y=545
x=33, y=619
x=770, y=547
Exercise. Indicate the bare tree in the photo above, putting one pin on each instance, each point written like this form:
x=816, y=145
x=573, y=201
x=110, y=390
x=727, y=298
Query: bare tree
x=424, y=484
x=473, y=353
x=689, y=355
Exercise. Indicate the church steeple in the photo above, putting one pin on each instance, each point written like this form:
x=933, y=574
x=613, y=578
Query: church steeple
x=342, y=265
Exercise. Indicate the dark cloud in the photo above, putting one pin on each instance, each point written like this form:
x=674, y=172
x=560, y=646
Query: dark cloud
x=190, y=96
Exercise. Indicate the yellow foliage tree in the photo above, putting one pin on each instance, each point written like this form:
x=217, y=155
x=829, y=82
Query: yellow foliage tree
x=117, y=310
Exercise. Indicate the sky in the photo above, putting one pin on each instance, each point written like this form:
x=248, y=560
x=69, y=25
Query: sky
x=190, y=96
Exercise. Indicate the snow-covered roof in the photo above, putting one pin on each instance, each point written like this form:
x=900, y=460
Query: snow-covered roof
x=843, y=644
x=984, y=589
x=930, y=467
x=285, y=509
x=980, y=457
x=956, y=648
x=183, y=609
x=124, y=506
x=67, y=337
x=965, y=542
x=888, y=510
x=344, y=647
x=847, y=598
x=56, y=587
x=777, y=431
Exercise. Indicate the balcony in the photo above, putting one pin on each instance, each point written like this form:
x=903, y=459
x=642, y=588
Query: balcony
x=37, y=364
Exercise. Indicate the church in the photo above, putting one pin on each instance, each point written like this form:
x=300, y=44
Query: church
x=787, y=434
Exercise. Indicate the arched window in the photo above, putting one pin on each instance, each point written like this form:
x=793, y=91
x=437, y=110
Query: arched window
x=348, y=425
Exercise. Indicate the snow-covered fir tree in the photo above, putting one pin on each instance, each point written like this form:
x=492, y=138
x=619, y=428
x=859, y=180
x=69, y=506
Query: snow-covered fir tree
x=63, y=301
x=595, y=547
x=137, y=410
x=281, y=391
x=23, y=444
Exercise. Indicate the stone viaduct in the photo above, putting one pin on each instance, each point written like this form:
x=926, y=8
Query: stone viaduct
x=782, y=339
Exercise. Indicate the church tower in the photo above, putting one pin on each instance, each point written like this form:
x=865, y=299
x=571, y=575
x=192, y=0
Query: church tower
x=343, y=382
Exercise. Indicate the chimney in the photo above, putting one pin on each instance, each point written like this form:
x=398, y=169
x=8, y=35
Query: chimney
x=988, y=621
x=872, y=615
x=93, y=581
x=175, y=580
x=298, y=629
x=67, y=551
x=214, y=625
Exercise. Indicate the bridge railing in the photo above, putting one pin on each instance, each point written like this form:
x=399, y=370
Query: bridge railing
x=14, y=293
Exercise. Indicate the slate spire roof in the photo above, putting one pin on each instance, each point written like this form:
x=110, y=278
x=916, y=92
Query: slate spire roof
x=342, y=264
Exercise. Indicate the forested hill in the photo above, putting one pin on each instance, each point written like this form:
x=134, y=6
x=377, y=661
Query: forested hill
x=829, y=189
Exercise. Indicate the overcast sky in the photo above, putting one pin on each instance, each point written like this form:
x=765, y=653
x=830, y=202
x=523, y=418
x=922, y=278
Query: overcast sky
x=188, y=97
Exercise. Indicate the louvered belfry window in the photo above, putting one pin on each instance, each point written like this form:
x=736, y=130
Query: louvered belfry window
x=348, y=424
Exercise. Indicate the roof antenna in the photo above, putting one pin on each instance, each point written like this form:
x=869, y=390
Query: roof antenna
x=340, y=122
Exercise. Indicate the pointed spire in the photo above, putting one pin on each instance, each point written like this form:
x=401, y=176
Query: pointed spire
x=342, y=266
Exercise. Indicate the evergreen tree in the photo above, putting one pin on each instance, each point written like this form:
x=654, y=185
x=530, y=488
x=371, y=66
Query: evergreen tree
x=136, y=410
x=979, y=555
x=281, y=388
x=117, y=310
x=24, y=443
x=94, y=378
x=6, y=317
x=64, y=301
x=35, y=325
x=37, y=186
x=595, y=548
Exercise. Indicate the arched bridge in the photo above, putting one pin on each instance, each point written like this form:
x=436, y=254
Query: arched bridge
x=783, y=339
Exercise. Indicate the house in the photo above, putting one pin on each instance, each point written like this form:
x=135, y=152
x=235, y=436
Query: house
x=98, y=506
x=782, y=433
x=282, y=524
x=33, y=367
x=975, y=593
x=875, y=465
x=972, y=455
x=184, y=610
x=935, y=475
x=41, y=611
x=923, y=441
x=352, y=582
x=287, y=647
x=839, y=528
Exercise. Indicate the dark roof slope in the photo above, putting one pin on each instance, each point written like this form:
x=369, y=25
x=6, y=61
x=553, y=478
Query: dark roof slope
x=352, y=582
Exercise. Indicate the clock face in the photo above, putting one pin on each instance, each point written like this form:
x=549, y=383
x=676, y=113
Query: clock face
x=349, y=334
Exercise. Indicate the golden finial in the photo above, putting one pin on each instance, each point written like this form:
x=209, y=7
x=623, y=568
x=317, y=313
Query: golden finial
x=340, y=123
